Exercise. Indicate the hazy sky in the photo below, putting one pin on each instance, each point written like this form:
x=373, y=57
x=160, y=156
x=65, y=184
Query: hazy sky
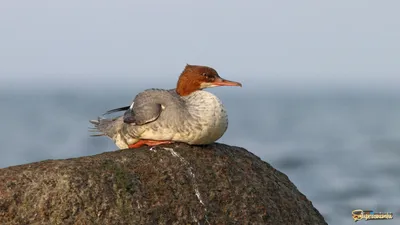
x=344, y=42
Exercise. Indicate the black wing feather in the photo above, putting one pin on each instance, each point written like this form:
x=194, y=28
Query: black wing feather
x=116, y=110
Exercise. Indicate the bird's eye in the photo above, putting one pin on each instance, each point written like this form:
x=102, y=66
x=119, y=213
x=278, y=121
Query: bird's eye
x=204, y=74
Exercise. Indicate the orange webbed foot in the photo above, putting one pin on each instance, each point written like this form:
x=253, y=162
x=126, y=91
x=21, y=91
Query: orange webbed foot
x=142, y=142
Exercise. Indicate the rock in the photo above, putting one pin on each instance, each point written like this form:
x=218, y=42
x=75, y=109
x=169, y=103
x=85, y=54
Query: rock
x=170, y=184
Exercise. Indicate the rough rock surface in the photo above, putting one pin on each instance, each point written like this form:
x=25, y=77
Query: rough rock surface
x=172, y=184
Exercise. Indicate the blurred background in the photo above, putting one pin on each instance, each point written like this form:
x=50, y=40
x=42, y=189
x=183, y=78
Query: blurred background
x=320, y=97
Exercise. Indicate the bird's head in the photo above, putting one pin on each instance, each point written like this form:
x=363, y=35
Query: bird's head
x=194, y=78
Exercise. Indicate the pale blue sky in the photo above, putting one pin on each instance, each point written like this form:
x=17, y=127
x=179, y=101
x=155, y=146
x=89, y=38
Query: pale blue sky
x=339, y=42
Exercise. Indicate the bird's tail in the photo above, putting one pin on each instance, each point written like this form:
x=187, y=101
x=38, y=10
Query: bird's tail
x=106, y=127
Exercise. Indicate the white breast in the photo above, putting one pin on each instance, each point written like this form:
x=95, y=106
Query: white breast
x=209, y=118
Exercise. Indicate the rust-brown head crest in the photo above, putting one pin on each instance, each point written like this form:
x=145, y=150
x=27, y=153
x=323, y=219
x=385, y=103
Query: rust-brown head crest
x=194, y=78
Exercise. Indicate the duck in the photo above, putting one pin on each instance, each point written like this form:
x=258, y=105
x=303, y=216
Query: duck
x=187, y=113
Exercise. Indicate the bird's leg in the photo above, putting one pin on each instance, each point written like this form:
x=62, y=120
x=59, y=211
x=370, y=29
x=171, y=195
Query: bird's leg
x=155, y=143
x=138, y=144
x=142, y=142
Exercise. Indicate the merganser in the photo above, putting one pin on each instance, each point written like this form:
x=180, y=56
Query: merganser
x=185, y=114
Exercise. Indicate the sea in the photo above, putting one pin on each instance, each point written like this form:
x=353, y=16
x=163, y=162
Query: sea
x=341, y=149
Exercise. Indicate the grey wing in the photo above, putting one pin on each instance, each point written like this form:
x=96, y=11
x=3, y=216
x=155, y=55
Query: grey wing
x=148, y=106
x=142, y=113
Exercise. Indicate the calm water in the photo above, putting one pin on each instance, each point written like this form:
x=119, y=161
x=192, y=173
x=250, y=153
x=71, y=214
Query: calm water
x=340, y=150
